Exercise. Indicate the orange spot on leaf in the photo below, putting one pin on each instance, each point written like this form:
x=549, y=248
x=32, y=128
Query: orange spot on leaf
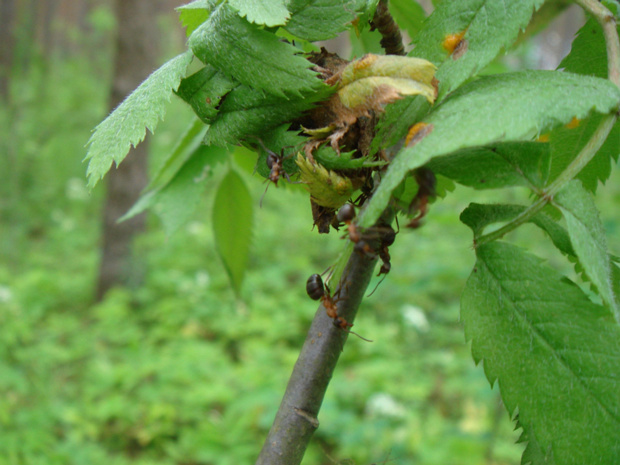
x=417, y=132
x=451, y=41
x=543, y=138
x=574, y=123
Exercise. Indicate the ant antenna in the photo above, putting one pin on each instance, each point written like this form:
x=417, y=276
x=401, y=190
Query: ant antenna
x=355, y=334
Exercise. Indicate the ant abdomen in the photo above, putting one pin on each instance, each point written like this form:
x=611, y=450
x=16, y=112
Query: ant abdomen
x=314, y=287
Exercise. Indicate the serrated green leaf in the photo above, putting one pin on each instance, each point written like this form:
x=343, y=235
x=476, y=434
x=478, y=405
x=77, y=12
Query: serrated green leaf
x=195, y=13
x=327, y=157
x=507, y=107
x=479, y=216
x=505, y=164
x=588, y=53
x=588, y=237
x=204, y=90
x=566, y=143
x=588, y=56
x=409, y=15
x=127, y=124
x=245, y=112
x=320, y=19
x=267, y=12
x=256, y=57
x=232, y=226
x=554, y=353
x=366, y=10
x=490, y=25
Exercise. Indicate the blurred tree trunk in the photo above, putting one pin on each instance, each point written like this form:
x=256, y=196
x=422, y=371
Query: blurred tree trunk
x=136, y=58
x=7, y=45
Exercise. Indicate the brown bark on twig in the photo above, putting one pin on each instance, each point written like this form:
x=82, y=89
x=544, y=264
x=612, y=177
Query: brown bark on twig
x=392, y=40
x=296, y=419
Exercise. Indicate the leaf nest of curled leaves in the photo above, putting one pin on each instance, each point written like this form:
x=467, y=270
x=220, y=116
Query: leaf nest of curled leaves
x=327, y=188
x=366, y=85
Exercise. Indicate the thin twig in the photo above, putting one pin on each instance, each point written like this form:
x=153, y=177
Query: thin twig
x=296, y=419
x=392, y=40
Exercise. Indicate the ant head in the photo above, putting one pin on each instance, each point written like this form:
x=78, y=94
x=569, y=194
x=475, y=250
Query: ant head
x=346, y=213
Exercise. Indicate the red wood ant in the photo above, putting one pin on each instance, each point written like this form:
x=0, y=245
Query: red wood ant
x=318, y=291
x=275, y=163
x=384, y=232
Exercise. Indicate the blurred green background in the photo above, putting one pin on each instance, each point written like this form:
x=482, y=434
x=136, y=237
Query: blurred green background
x=178, y=370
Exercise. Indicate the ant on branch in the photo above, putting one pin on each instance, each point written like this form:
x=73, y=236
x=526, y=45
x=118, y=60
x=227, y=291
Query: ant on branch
x=275, y=163
x=318, y=291
x=383, y=232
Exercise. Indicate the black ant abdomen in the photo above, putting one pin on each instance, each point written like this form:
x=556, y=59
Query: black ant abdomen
x=346, y=213
x=314, y=287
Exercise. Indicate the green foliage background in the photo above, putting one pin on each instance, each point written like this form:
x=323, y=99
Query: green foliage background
x=179, y=370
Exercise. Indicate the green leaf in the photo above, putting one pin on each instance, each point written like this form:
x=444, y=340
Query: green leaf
x=490, y=25
x=567, y=141
x=327, y=157
x=588, y=56
x=396, y=121
x=320, y=19
x=246, y=112
x=204, y=91
x=366, y=41
x=479, y=216
x=176, y=202
x=255, y=57
x=267, y=12
x=408, y=15
x=504, y=164
x=506, y=107
x=127, y=124
x=554, y=353
x=588, y=237
x=185, y=148
x=232, y=225
x=588, y=53
x=195, y=13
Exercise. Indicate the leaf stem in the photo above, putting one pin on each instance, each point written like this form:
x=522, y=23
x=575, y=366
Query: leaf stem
x=546, y=196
